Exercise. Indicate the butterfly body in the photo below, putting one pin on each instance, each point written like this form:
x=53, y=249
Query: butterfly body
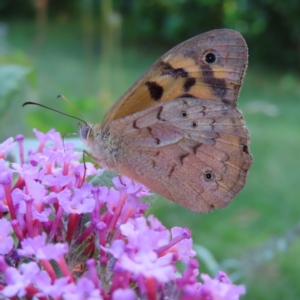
x=177, y=130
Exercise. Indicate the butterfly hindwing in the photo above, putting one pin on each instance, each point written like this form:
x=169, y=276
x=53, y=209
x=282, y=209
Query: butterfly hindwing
x=192, y=151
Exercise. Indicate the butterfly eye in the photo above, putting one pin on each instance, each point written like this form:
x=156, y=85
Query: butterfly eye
x=184, y=114
x=208, y=176
x=84, y=132
x=210, y=58
x=194, y=124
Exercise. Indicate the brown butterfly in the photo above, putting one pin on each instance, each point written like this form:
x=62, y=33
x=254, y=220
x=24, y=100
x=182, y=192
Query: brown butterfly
x=177, y=129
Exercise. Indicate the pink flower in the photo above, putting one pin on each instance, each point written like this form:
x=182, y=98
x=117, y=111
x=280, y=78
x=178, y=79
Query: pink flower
x=52, y=251
x=79, y=202
x=3, y=202
x=184, y=247
x=125, y=294
x=149, y=265
x=30, y=246
x=48, y=288
x=17, y=282
x=5, y=173
x=6, y=241
x=51, y=135
x=143, y=237
x=221, y=287
x=84, y=289
x=6, y=146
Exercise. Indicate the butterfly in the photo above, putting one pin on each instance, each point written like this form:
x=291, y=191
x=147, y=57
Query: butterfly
x=177, y=129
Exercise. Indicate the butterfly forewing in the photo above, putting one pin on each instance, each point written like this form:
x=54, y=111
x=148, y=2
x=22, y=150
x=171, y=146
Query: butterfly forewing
x=208, y=66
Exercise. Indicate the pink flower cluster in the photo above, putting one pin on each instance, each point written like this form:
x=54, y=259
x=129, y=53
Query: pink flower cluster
x=63, y=238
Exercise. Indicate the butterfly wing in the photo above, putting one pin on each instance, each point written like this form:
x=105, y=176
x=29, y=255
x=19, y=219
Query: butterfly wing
x=190, y=150
x=177, y=129
x=208, y=66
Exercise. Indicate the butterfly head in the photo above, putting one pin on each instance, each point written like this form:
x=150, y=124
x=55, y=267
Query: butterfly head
x=89, y=133
x=100, y=144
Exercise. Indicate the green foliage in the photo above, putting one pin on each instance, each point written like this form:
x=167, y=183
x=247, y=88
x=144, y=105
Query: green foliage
x=10, y=77
x=15, y=66
x=16, y=76
x=271, y=27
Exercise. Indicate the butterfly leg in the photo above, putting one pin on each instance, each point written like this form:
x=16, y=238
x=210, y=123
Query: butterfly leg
x=85, y=153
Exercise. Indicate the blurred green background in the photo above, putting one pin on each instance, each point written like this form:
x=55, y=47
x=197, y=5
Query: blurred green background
x=92, y=51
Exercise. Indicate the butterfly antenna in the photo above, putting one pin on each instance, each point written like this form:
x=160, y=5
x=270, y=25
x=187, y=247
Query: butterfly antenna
x=72, y=105
x=44, y=106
